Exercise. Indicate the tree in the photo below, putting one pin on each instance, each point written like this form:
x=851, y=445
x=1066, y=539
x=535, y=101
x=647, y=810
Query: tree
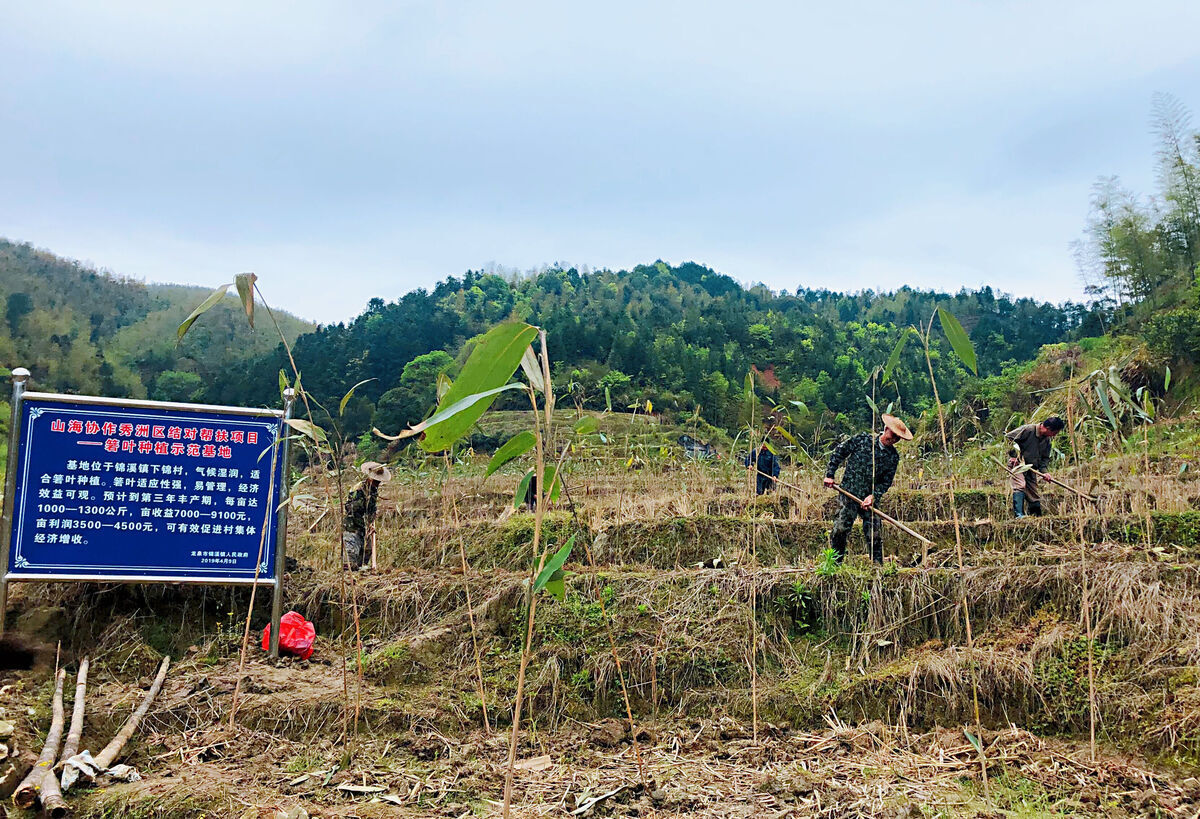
x=416, y=394
x=18, y=306
x=174, y=385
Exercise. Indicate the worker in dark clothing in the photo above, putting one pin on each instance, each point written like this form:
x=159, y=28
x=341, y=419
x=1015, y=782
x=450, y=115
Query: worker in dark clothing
x=871, y=463
x=766, y=465
x=1032, y=442
x=359, y=521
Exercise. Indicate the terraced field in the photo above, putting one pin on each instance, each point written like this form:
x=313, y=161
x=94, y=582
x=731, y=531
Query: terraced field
x=762, y=679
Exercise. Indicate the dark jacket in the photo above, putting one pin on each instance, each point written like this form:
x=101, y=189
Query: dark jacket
x=1035, y=449
x=360, y=508
x=856, y=453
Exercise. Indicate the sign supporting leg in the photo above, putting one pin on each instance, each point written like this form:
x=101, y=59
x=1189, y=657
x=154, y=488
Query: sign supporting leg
x=289, y=399
x=19, y=376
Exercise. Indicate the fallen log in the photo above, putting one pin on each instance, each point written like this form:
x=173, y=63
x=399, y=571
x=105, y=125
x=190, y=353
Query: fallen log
x=112, y=750
x=27, y=791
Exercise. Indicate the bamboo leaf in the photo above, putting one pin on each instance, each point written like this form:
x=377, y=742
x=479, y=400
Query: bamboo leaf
x=307, y=428
x=586, y=425
x=349, y=393
x=556, y=586
x=522, y=489
x=800, y=405
x=214, y=298
x=959, y=340
x=607, y=400
x=532, y=369
x=443, y=385
x=491, y=364
x=1102, y=393
x=554, y=564
x=974, y=740
x=514, y=447
x=465, y=406
x=245, y=288
x=283, y=382
x=1167, y=380
x=871, y=404
x=550, y=474
x=649, y=406
x=894, y=358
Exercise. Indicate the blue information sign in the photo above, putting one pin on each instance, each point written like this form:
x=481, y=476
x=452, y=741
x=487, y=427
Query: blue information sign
x=115, y=492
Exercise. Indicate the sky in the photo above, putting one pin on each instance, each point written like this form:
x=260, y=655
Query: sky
x=344, y=151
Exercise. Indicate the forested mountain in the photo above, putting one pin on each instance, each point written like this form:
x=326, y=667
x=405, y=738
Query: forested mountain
x=682, y=337
x=80, y=330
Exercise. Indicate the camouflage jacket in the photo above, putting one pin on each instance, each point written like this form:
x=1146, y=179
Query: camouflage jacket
x=360, y=509
x=855, y=452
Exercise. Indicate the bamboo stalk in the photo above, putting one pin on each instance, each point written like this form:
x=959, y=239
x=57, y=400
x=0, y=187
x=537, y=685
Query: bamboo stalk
x=27, y=791
x=113, y=749
x=542, y=439
x=71, y=745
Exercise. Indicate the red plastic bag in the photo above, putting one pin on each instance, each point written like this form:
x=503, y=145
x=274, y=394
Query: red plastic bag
x=296, y=635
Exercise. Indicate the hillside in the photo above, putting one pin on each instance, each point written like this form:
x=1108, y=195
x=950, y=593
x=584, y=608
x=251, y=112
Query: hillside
x=80, y=330
x=681, y=337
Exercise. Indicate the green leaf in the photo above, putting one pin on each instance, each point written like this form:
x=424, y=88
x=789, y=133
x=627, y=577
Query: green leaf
x=556, y=586
x=871, y=404
x=349, y=393
x=554, y=564
x=532, y=369
x=214, y=298
x=586, y=425
x=800, y=405
x=514, y=447
x=1102, y=393
x=307, y=428
x=466, y=406
x=283, y=382
x=894, y=358
x=245, y=288
x=1167, y=380
x=491, y=364
x=443, y=385
x=959, y=340
x=551, y=476
x=522, y=489
x=974, y=740
x=748, y=388
x=607, y=400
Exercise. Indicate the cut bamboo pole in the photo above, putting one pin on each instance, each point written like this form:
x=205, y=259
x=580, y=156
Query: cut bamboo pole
x=27, y=792
x=53, y=803
x=112, y=750
x=71, y=745
x=1046, y=477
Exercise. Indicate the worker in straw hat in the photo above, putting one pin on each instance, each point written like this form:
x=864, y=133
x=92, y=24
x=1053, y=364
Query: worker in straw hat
x=360, y=513
x=871, y=463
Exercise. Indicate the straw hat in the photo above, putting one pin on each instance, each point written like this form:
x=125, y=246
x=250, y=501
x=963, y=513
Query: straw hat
x=376, y=471
x=897, y=426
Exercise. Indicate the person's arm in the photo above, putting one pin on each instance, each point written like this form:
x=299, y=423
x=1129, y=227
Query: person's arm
x=840, y=454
